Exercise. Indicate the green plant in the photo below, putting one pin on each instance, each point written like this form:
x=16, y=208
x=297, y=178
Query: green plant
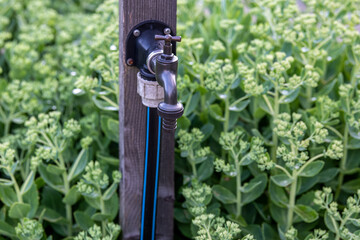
x=276, y=80
x=339, y=223
x=49, y=130
x=271, y=97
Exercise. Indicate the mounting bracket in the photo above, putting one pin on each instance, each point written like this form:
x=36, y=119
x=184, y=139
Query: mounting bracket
x=141, y=42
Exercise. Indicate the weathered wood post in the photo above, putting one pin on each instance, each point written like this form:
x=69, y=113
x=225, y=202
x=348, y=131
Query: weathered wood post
x=132, y=116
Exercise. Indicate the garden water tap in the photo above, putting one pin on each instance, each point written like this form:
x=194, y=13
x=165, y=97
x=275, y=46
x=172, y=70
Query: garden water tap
x=165, y=65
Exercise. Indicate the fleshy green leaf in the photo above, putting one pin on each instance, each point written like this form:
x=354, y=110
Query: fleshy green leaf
x=205, y=170
x=6, y=182
x=330, y=223
x=351, y=186
x=51, y=168
x=216, y=112
x=72, y=196
x=260, y=182
x=238, y=107
x=223, y=194
x=107, y=159
x=307, y=214
x=79, y=165
x=110, y=191
x=6, y=229
x=194, y=101
x=282, y=180
x=19, y=210
x=83, y=220
x=328, y=174
x=7, y=195
x=100, y=217
x=250, y=187
x=278, y=195
x=28, y=183
x=110, y=127
x=51, y=179
x=312, y=169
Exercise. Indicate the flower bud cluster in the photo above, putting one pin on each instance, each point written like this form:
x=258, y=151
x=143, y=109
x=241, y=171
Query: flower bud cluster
x=216, y=227
x=335, y=150
x=95, y=233
x=346, y=234
x=188, y=140
x=327, y=109
x=319, y=133
x=319, y=234
x=258, y=46
x=220, y=75
x=291, y=234
x=281, y=66
x=47, y=127
x=198, y=196
x=259, y=154
x=283, y=126
x=86, y=83
x=217, y=47
x=86, y=142
x=190, y=47
x=7, y=156
x=345, y=90
x=347, y=34
x=251, y=86
x=312, y=77
x=293, y=159
x=230, y=140
x=29, y=229
x=221, y=166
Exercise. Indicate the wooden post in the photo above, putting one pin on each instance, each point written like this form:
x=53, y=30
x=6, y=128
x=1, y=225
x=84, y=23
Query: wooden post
x=132, y=116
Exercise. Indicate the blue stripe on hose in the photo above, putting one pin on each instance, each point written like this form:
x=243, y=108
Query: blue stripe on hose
x=145, y=173
x=156, y=180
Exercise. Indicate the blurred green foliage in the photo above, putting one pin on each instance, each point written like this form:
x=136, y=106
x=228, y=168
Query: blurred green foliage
x=267, y=148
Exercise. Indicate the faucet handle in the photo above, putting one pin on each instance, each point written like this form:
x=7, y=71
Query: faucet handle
x=168, y=39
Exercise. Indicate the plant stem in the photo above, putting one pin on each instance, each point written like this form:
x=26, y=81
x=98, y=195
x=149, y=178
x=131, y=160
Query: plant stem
x=342, y=163
x=102, y=208
x=7, y=128
x=238, y=187
x=208, y=234
x=308, y=97
x=16, y=186
x=275, y=116
x=291, y=206
x=66, y=190
x=192, y=163
x=202, y=96
x=193, y=167
x=227, y=115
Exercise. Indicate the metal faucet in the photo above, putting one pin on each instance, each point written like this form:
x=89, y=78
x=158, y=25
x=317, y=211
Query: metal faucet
x=164, y=65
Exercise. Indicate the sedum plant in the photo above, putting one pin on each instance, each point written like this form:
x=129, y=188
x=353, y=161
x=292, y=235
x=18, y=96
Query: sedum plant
x=241, y=154
x=268, y=144
x=94, y=186
x=48, y=131
x=342, y=225
x=285, y=73
x=94, y=233
x=211, y=227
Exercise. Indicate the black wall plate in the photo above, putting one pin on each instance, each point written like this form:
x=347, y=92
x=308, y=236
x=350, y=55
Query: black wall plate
x=141, y=42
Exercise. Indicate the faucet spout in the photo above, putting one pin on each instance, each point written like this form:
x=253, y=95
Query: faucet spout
x=167, y=79
x=166, y=74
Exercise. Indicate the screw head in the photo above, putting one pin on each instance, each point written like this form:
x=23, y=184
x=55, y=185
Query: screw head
x=136, y=32
x=130, y=61
x=167, y=31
